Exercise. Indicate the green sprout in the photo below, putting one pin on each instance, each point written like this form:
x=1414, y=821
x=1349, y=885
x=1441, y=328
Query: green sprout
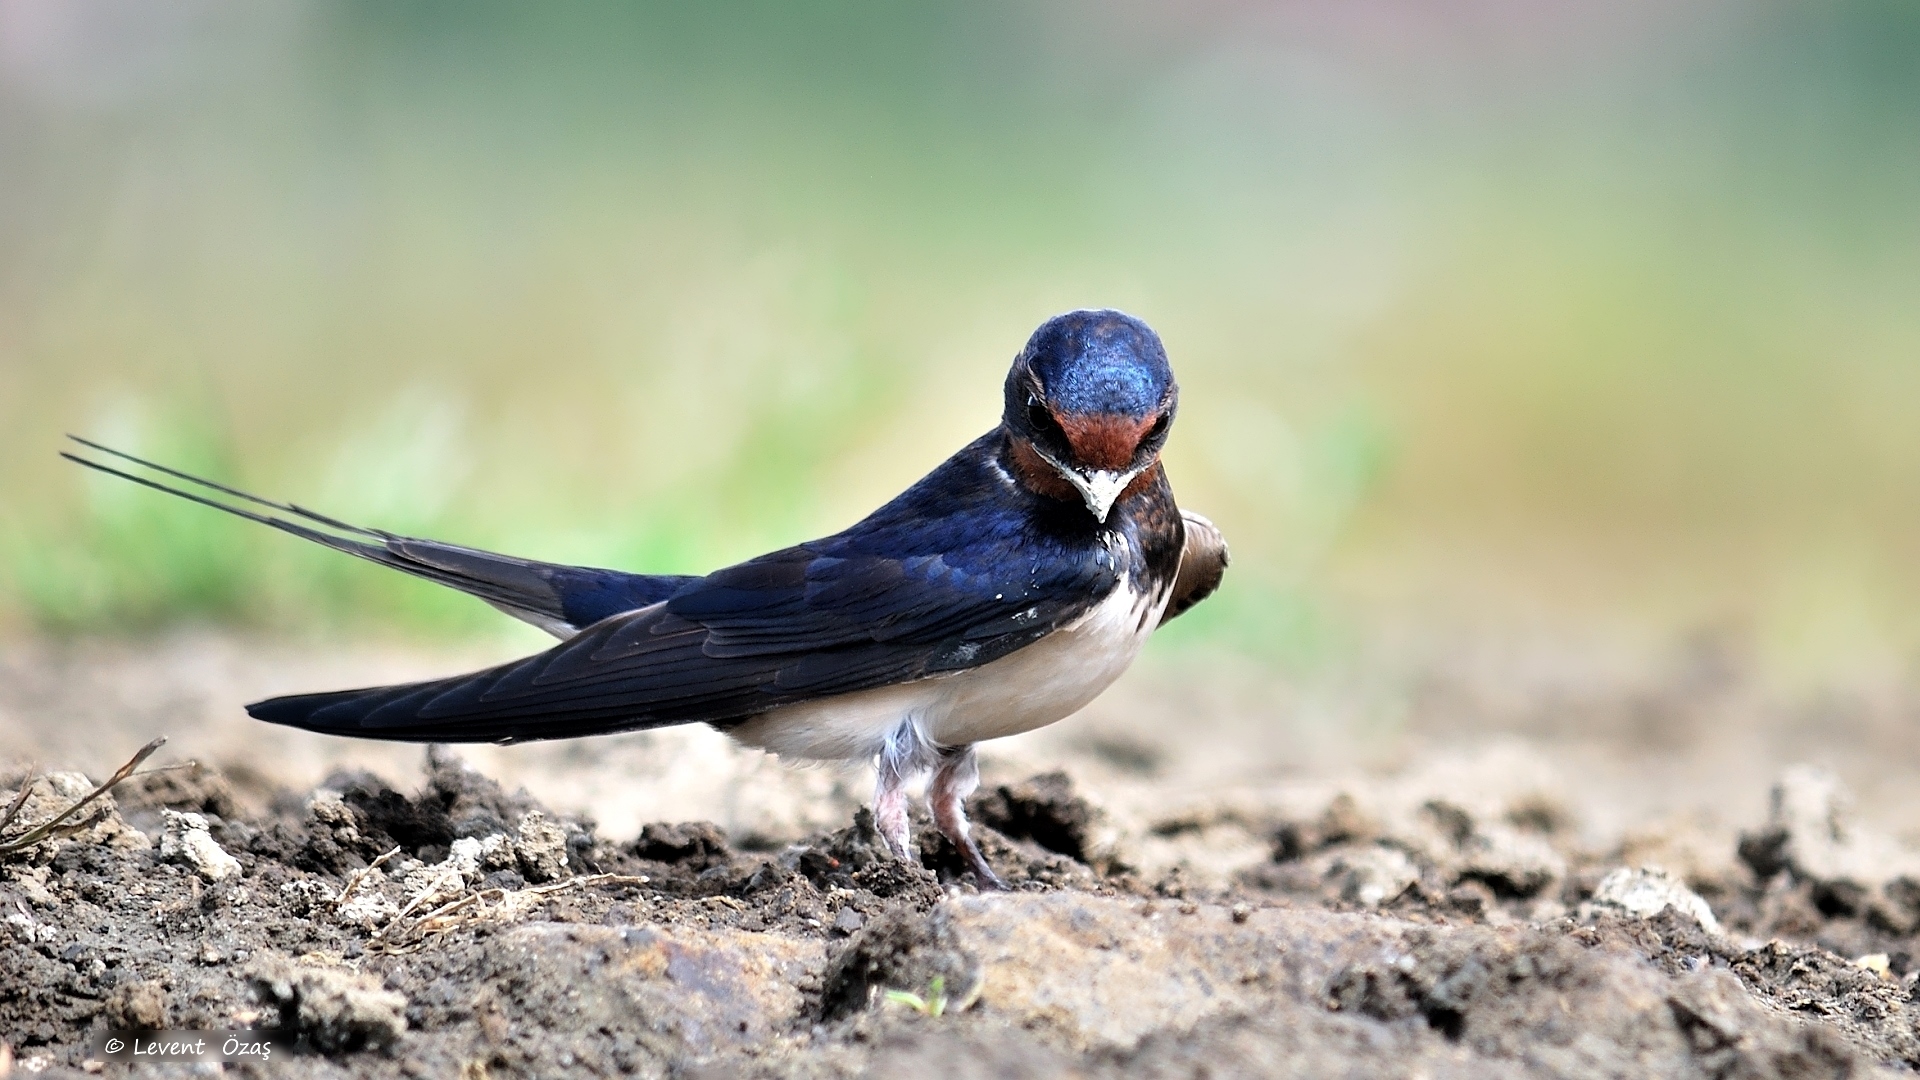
x=933, y=1004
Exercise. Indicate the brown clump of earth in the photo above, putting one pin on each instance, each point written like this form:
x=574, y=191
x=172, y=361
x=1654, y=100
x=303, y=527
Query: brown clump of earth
x=461, y=930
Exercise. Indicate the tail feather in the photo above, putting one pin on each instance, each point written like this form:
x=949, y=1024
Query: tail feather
x=561, y=600
x=396, y=714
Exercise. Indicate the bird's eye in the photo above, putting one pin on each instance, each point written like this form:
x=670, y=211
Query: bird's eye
x=1159, y=428
x=1039, y=417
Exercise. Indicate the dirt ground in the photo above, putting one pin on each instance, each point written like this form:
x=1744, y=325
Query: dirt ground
x=1523, y=859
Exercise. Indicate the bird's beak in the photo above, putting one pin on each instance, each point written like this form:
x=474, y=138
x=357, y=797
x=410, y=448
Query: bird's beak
x=1099, y=488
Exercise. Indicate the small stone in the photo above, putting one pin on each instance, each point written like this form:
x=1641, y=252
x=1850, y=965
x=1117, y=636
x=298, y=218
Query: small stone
x=1648, y=891
x=446, y=880
x=541, y=847
x=326, y=809
x=463, y=857
x=187, y=842
x=496, y=853
x=848, y=921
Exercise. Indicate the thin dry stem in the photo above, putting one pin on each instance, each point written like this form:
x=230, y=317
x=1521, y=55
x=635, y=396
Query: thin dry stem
x=361, y=875
x=19, y=800
x=47, y=828
x=441, y=919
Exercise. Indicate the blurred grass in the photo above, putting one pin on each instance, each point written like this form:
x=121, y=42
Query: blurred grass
x=134, y=562
x=1477, y=307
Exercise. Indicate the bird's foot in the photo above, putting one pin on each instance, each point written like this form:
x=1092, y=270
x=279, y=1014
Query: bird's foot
x=953, y=780
x=982, y=871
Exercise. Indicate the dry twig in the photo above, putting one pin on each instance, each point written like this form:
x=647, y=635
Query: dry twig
x=456, y=913
x=19, y=800
x=54, y=827
x=361, y=875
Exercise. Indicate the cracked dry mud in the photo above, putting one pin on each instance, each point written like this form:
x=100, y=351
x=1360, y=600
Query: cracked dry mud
x=455, y=929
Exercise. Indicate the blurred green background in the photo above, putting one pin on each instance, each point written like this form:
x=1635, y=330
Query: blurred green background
x=1485, y=312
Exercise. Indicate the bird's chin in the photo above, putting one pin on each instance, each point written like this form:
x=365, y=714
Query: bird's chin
x=1100, y=489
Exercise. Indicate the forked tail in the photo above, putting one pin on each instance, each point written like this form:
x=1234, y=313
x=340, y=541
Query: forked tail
x=562, y=600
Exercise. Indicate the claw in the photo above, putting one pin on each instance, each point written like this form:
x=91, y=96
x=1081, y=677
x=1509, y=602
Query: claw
x=956, y=777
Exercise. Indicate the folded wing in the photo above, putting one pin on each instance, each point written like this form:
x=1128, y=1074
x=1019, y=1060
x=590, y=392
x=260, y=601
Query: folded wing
x=796, y=625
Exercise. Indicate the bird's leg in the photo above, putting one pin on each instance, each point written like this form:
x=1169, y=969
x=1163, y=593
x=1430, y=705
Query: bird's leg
x=902, y=760
x=953, y=780
x=890, y=813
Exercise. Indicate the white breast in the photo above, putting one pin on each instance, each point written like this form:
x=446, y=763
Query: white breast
x=1030, y=688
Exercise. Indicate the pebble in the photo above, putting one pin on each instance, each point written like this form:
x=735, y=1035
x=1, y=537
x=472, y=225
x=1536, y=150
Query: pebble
x=186, y=841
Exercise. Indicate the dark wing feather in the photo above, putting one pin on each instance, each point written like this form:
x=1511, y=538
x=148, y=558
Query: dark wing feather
x=1203, y=562
x=559, y=599
x=942, y=579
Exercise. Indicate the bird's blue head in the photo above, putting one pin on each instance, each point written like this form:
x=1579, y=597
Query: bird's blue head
x=1091, y=399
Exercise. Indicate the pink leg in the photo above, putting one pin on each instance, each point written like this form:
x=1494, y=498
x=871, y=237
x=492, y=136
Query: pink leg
x=953, y=780
x=890, y=806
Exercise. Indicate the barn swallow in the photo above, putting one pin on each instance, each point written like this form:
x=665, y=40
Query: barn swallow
x=999, y=594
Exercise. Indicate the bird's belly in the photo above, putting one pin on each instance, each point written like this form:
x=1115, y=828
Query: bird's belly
x=1029, y=688
x=1048, y=680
